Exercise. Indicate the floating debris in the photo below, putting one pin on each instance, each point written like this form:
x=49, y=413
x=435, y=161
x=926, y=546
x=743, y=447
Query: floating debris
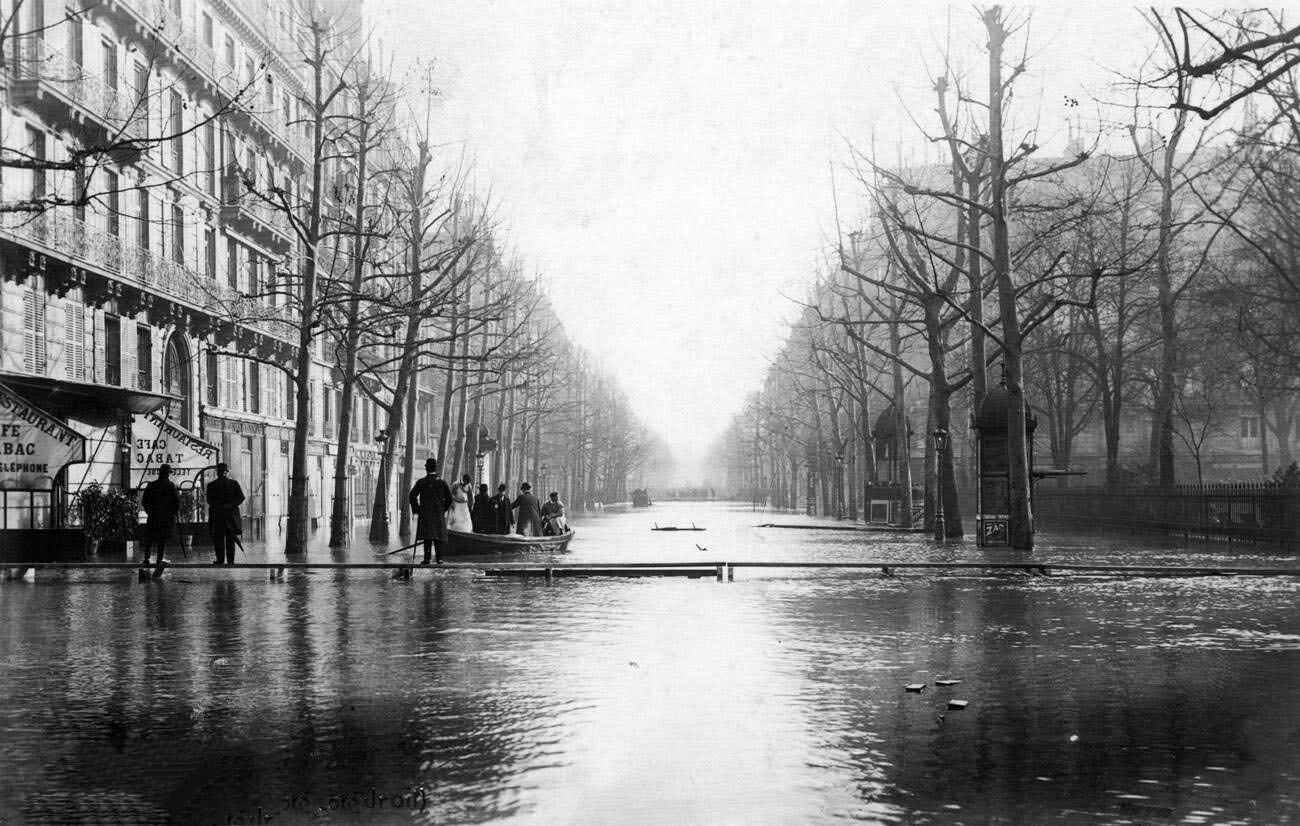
x=956, y=705
x=914, y=688
x=947, y=682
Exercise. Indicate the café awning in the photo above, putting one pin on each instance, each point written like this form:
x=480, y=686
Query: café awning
x=84, y=400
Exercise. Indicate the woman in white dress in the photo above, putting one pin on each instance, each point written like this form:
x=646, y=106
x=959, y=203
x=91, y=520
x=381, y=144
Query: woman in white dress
x=459, y=518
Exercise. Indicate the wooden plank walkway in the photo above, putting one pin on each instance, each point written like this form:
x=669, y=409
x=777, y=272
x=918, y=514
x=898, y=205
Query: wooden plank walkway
x=720, y=568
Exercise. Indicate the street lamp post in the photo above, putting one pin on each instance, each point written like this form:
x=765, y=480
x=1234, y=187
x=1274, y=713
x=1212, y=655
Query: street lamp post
x=839, y=485
x=542, y=480
x=940, y=437
x=478, y=466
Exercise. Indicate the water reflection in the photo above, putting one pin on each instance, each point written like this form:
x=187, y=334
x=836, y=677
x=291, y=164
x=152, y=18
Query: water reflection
x=778, y=698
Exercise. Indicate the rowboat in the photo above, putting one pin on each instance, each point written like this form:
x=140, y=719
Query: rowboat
x=460, y=543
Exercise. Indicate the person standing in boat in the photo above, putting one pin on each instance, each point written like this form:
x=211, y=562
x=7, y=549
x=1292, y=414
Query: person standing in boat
x=459, y=518
x=430, y=499
x=553, y=521
x=502, y=518
x=529, y=521
x=162, y=504
x=224, y=522
x=481, y=512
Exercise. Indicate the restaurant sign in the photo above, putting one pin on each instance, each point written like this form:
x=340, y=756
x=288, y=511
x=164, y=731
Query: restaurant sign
x=156, y=441
x=34, y=446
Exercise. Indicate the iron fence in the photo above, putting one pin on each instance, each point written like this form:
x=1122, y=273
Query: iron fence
x=1232, y=512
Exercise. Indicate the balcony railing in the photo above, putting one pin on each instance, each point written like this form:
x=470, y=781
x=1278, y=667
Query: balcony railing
x=34, y=60
x=183, y=34
x=77, y=240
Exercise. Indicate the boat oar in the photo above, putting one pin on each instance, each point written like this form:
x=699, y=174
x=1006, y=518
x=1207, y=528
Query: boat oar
x=405, y=548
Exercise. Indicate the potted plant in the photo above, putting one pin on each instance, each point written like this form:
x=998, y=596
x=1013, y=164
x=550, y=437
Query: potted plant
x=106, y=514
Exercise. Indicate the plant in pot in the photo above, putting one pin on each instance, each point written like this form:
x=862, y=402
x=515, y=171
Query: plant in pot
x=107, y=515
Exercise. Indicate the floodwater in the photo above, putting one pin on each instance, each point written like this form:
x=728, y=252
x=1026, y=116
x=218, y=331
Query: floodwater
x=218, y=697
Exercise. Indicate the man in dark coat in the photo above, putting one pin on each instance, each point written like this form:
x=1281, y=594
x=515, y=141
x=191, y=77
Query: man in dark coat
x=483, y=516
x=224, y=523
x=502, y=519
x=162, y=503
x=430, y=498
x=530, y=511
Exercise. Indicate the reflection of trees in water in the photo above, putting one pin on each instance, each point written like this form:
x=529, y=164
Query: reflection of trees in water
x=1040, y=668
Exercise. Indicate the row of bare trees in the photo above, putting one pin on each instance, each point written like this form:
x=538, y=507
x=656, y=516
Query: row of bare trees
x=397, y=287
x=1147, y=274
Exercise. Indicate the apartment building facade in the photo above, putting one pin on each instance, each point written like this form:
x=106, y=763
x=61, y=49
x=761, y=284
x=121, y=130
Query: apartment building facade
x=145, y=298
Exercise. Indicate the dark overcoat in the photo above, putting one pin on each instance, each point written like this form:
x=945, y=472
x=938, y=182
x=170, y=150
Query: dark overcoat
x=530, y=514
x=502, y=517
x=430, y=498
x=483, y=514
x=162, y=504
x=224, y=498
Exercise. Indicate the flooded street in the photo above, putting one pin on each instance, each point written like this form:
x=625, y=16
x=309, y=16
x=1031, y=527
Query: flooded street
x=346, y=697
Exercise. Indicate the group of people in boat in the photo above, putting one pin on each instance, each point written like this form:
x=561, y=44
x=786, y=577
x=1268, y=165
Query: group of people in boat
x=440, y=507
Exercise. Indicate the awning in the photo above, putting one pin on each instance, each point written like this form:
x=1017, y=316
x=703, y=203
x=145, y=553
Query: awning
x=84, y=400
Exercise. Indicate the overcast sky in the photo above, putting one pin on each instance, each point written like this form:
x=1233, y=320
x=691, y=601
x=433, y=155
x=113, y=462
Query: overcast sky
x=666, y=166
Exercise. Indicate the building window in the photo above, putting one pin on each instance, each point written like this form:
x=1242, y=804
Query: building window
x=213, y=376
x=74, y=327
x=176, y=380
x=254, y=273
x=177, y=128
x=144, y=357
x=34, y=327
x=1249, y=427
x=76, y=45
x=230, y=53
x=79, y=187
x=112, y=350
x=113, y=222
x=232, y=264
x=210, y=253
x=36, y=148
x=109, y=50
x=142, y=226
x=210, y=158
x=142, y=90
x=209, y=31
x=178, y=234
x=254, y=387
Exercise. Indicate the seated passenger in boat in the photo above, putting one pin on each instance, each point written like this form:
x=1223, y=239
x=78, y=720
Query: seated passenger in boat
x=553, y=520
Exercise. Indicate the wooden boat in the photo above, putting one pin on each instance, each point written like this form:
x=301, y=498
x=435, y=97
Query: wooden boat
x=497, y=544
x=675, y=528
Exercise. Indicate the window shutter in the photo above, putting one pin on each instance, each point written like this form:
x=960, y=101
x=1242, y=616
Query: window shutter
x=34, y=331
x=101, y=356
x=75, y=328
x=230, y=373
x=129, y=366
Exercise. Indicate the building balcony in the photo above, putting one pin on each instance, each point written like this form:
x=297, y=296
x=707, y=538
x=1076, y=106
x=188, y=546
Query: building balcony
x=244, y=212
x=108, y=267
x=60, y=91
x=187, y=48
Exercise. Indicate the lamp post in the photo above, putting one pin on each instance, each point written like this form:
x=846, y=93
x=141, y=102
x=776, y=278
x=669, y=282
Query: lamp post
x=478, y=466
x=839, y=485
x=542, y=480
x=940, y=437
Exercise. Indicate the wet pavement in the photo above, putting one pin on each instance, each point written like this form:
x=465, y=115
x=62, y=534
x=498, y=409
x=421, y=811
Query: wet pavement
x=217, y=696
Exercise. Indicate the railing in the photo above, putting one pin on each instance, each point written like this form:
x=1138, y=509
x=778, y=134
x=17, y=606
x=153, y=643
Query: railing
x=182, y=33
x=75, y=239
x=33, y=59
x=1234, y=512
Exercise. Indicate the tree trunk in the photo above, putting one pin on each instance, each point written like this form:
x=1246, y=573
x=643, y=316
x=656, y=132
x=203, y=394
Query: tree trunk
x=1021, y=517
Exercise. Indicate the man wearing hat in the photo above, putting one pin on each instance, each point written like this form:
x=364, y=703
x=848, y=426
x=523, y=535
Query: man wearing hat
x=430, y=498
x=162, y=504
x=224, y=523
x=530, y=511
